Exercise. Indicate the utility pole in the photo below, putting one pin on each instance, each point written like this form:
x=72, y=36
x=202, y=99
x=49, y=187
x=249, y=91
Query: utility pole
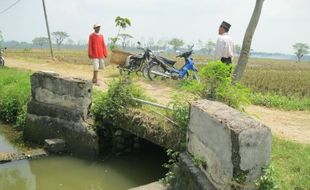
x=48, y=31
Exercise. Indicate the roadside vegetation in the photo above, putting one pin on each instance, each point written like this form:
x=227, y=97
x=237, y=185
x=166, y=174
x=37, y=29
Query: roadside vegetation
x=14, y=96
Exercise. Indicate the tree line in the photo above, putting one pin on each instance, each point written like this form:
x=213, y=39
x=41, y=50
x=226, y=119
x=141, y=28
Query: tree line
x=123, y=40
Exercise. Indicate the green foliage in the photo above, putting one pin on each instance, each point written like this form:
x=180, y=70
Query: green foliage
x=268, y=181
x=14, y=95
x=293, y=102
x=214, y=75
x=59, y=37
x=216, y=84
x=173, y=159
x=40, y=41
x=199, y=161
x=180, y=105
x=301, y=50
x=21, y=118
x=236, y=96
x=112, y=105
x=122, y=23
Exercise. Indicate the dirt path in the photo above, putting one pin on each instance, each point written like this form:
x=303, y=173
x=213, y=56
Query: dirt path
x=291, y=125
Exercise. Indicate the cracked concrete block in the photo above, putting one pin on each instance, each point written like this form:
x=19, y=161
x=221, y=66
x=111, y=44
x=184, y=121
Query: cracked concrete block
x=229, y=142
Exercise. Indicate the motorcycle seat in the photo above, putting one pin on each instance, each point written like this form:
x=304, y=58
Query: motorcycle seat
x=170, y=62
x=137, y=56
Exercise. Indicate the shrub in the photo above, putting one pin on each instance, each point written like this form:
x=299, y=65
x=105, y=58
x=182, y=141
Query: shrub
x=180, y=105
x=14, y=95
x=111, y=106
x=216, y=85
x=268, y=181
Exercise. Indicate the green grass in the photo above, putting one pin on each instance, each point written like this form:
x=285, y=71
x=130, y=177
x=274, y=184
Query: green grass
x=292, y=164
x=14, y=95
x=281, y=102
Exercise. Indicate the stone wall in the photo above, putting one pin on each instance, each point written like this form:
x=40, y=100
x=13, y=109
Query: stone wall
x=230, y=144
x=58, y=109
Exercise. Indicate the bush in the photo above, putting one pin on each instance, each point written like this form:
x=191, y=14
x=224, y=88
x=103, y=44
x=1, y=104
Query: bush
x=112, y=105
x=216, y=85
x=268, y=181
x=14, y=95
x=180, y=106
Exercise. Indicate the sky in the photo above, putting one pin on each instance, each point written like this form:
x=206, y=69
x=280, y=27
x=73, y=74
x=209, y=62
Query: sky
x=282, y=22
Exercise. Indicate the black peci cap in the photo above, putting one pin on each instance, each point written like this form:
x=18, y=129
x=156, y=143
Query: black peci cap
x=226, y=25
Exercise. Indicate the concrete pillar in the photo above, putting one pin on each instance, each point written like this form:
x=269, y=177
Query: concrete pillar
x=229, y=144
x=58, y=109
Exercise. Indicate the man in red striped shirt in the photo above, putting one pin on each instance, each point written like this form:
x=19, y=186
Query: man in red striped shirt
x=97, y=50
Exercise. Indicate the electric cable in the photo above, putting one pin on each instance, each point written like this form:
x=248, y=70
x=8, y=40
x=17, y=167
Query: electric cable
x=9, y=7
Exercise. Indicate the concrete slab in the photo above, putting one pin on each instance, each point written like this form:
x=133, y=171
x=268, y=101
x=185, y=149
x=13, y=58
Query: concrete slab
x=152, y=186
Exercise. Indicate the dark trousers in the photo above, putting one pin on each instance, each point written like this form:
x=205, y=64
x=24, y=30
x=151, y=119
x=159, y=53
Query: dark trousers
x=228, y=62
x=225, y=60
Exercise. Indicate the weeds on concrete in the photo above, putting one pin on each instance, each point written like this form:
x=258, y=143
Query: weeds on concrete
x=170, y=164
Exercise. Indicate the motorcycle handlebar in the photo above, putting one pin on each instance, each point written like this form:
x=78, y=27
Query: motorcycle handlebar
x=185, y=54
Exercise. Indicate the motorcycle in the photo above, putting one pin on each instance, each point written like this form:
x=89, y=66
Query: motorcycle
x=163, y=68
x=2, y=61
x=137, y=63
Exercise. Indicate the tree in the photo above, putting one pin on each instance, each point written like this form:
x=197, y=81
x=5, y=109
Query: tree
x=247, y=41
x=176, y=43
x=70, y=42
x=301, y=50
x=122, y=23
x=124, y=38
x=210, y=47
x=40, y=41
x=59, y=37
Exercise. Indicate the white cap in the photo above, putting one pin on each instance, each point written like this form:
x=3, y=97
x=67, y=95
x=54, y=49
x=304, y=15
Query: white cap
x=97, y=25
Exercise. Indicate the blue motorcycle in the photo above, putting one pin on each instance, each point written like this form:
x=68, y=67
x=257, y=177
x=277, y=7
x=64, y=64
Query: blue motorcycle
x=163, y=68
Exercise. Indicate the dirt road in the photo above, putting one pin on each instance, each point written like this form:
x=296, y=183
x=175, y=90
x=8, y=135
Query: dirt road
x=291, y=125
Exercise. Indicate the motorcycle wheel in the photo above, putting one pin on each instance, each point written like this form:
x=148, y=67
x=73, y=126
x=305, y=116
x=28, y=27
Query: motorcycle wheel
x=123, y=72
x=158, y=68
x=145, y=70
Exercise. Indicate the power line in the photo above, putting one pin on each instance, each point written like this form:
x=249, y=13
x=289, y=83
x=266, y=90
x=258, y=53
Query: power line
x=1, y=12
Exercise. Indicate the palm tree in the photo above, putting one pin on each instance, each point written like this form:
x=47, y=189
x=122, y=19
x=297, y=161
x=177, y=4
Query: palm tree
x=247, y=41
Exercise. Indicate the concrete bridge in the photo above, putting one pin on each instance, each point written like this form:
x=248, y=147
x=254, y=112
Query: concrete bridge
x=228, y=146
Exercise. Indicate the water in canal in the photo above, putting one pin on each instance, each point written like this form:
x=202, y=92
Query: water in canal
x=68, y=173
